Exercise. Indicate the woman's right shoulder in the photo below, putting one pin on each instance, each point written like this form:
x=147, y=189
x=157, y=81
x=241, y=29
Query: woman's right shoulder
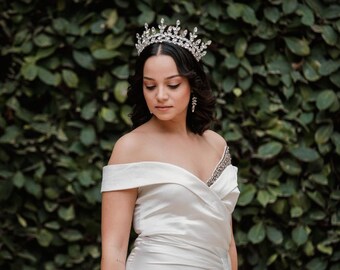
x=127, y=148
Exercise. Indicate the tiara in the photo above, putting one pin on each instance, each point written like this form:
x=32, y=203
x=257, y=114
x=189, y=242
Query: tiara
x=172, y=35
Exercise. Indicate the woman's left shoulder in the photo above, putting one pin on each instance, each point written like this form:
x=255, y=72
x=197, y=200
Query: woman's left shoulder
x=214, y=139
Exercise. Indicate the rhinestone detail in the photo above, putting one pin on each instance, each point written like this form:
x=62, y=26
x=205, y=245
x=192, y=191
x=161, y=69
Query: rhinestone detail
x=225, y=161
x=172, y=34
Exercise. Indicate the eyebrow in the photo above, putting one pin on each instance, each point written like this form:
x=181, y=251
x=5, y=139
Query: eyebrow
x=167, y=78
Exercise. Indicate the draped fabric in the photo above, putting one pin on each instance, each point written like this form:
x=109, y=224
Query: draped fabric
x=181, y=222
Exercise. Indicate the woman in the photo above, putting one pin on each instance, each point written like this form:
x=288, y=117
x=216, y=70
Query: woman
x=171, y=175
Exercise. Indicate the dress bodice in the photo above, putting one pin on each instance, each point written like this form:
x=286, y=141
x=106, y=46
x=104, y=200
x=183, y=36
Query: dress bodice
x=175, y=209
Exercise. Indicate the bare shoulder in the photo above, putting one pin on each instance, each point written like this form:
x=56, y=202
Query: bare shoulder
x=215, y=139
x=125, y=148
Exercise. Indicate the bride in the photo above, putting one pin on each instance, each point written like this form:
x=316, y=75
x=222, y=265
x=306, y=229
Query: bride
x=171, y=175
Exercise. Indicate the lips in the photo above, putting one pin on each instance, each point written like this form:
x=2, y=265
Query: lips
x=163, y=108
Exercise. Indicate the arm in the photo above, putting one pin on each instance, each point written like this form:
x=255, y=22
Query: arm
x=117, y=212
x=233, y=251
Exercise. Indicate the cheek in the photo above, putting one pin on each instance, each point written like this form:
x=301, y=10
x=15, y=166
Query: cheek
x=146, y=95
x=186, y=94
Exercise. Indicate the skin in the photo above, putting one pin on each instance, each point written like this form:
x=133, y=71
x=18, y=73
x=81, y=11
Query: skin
x=165, y=138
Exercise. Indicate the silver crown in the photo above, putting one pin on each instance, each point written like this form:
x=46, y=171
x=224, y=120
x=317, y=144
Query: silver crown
x=172, y=35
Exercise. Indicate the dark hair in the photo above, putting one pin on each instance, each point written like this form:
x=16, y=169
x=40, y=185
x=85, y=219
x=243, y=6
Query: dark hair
x=189, y=67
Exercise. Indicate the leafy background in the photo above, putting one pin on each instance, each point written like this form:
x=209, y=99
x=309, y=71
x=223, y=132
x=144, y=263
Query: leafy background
x=275, y=68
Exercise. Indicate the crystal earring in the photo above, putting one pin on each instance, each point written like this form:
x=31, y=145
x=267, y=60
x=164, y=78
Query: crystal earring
x=193, y=103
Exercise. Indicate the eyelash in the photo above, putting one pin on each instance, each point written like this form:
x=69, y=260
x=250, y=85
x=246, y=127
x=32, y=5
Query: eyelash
x=170, y=86
x=174, y=86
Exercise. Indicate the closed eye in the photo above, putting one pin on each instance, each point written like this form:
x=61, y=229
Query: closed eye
x=173, y=86
x=150, y=87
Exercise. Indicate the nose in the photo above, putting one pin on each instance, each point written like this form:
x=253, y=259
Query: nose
x=161, y=94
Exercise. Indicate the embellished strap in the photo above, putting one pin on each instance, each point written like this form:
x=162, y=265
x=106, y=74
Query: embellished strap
x=225, y=161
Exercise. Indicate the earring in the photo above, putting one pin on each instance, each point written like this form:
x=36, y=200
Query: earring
x=193, y=103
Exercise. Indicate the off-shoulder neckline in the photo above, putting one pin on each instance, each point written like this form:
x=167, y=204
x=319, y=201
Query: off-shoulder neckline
x=214, y=174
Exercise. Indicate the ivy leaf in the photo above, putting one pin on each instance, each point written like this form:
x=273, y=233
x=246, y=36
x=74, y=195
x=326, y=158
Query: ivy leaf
x=29, y=71
x=108, y=114
x=120, y=91
x=290, y=166
x=328, y=67
x=249, y=16
x=263, y=197
x=85, y=178
x=317, y=198
x=48, y=77
x=104, y=54
x=19, y=179
x=319, y=179
x=44, y=238
x=256, y=48
x=317, y=264
x=121, y=72
x=310, y=72
x=89, y=110
x=325, y=99
x=305, y=154
x=43, y=40
x=235, y=10
x=307, y=15
x=67, y=213
x=84, y=60
x=240, y=47
x=88, y=135
x=335, y=78
x=70, y=78
x=323, y=133
x=272, y=14
x=247, y=194
x=299, y=235
x=71, y=235
x=269, y=150
x=33, y=188
x=297, y=46
x=274, y=235
x=10, y=135
x=289, y=6
x=257, y=233
x=296, y=212
x=147, y=16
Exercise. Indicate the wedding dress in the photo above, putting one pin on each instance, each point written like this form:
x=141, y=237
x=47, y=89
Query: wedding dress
x=182, y=222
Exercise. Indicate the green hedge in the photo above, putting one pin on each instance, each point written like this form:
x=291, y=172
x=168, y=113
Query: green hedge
x=275, y=68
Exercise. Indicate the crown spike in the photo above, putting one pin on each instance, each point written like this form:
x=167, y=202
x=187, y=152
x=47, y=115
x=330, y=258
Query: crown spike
x=174, y=35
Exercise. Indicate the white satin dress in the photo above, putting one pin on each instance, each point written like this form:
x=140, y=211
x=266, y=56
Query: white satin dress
x=182, y=222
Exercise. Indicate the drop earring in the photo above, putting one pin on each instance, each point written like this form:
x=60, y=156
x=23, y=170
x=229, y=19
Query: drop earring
x=193, y=104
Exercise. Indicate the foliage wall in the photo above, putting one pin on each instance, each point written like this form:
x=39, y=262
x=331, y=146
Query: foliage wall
x=275, y=68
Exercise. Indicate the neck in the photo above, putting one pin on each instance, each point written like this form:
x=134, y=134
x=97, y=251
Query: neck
x=171, y=127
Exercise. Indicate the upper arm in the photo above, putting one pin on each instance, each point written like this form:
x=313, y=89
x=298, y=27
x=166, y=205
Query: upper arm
x=117, y=212
x=118, y=206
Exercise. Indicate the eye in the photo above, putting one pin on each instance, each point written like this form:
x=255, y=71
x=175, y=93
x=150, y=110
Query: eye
x=173, y=86
x=150, y=87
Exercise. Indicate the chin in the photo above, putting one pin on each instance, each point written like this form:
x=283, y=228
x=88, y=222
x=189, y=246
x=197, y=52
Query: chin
x=164, y=117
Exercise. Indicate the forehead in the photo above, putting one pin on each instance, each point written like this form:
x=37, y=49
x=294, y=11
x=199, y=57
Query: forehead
x=160, y=66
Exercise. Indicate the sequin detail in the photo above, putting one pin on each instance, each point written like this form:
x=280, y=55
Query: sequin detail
x=225, y=161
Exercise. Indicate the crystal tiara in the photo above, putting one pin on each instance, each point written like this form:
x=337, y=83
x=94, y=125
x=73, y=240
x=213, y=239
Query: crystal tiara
x=172, y=35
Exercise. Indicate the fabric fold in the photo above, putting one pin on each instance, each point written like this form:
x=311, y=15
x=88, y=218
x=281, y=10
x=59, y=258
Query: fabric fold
x=178, y=217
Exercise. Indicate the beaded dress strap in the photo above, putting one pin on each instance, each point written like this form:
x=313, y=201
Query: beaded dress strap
x=225, y=161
